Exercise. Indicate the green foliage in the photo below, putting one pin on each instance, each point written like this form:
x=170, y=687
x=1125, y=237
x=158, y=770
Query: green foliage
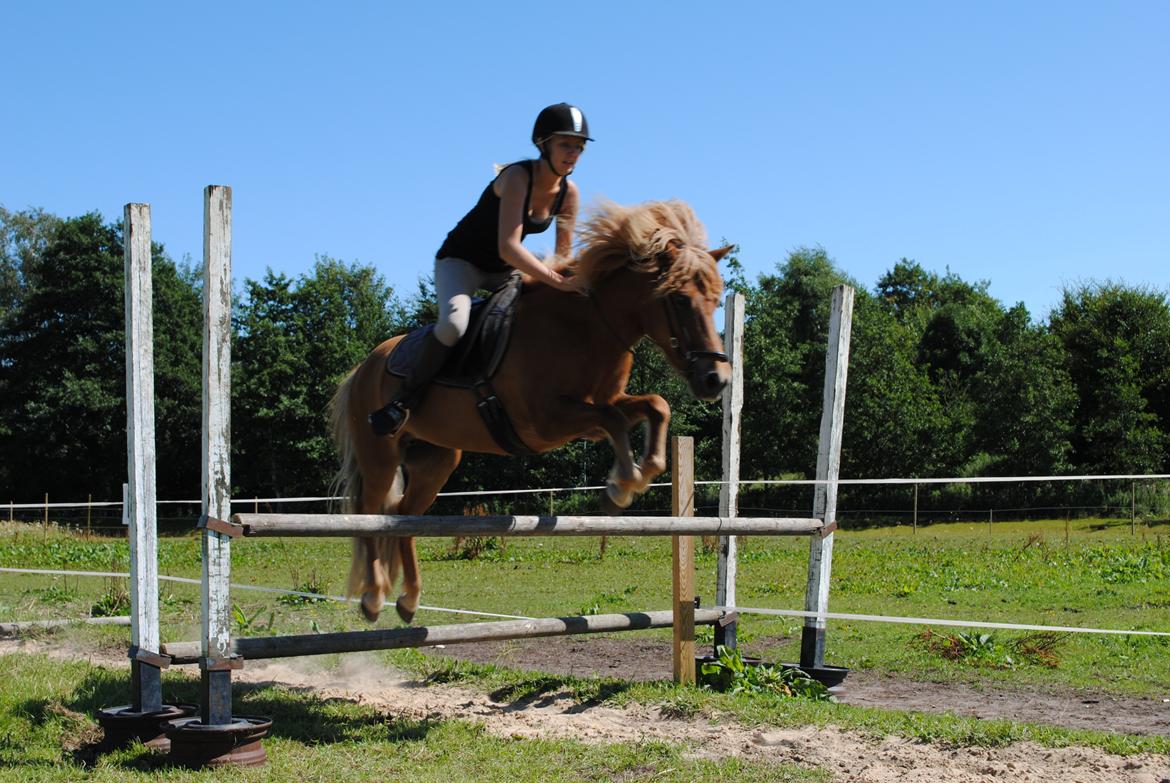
x=944, y=380
x=314, y=585
x=295, y=341
x=988, y=650
x=57, y=594
x=730, y=674
x=1117, y=340
x=63, y=364
x=114, y=602
x=609, y=602
x=249, y=624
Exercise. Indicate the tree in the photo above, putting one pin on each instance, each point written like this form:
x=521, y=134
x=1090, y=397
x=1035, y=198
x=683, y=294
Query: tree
x=785, y=337
x=23, y=237
x=294, y=344
x=64, y=373
x=1117, y=341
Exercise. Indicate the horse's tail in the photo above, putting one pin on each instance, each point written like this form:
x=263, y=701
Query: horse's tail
x=348, y=484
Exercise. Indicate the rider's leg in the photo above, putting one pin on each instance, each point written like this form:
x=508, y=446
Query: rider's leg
x=455, y=282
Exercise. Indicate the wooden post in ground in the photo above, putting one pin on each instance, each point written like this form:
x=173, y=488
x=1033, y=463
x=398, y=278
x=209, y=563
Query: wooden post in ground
x=733, y=308
x=141, y=511
x=820, y=557
x=682, y=466
x=1133, y=508
x=88, y=516
x=915, y=521
x=216, y=662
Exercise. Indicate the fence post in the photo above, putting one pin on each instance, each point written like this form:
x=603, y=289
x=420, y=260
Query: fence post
x=216, y=658
x=88, y=516
x=1133, y=508
x=46, y=512
x=820, y=555
x=915, y=520
x=145, y=671
x=729, y=490
x=682, y=463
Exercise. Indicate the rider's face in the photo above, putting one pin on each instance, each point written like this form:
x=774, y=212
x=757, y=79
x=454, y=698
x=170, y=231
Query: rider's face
x=565, y=151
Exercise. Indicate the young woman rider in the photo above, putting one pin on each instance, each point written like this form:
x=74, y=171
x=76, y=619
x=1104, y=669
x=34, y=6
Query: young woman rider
x=486, y=245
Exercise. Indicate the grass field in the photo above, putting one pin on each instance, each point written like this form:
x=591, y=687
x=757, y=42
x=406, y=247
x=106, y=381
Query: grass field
x=1101, y=576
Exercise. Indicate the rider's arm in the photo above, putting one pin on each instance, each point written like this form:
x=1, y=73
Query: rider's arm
x=513, y=184
x=567, y=220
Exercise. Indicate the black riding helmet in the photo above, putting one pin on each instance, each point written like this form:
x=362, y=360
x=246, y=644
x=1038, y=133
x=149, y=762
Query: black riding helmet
x=560, y=119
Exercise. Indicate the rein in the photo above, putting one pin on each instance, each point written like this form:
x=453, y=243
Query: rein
x=608, y=325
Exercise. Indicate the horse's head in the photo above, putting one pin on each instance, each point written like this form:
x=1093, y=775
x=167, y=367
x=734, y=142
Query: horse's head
x=681, y=321
x=663, y=244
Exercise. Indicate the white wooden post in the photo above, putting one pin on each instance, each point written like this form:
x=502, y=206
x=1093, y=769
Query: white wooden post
x=141, y=509
x=733, y=309
x=820, y=558
x=215, y=643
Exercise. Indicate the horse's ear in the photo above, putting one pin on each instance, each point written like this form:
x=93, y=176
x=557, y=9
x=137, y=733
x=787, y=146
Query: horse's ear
x=721, y=252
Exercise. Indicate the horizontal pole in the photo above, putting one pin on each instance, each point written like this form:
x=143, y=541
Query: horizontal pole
x=424, y=636
x=443, y=526
x=24, y=625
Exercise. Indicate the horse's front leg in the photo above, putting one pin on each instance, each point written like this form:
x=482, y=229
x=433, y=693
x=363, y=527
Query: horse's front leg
x=655, y=411
x=576, y=418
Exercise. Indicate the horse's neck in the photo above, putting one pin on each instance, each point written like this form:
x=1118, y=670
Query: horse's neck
x=619, y=301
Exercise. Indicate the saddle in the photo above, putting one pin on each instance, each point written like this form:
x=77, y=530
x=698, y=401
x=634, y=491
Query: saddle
x=475, y=360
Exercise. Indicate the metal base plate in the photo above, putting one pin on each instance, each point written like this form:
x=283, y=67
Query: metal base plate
x=122, y=725
x=194, y=744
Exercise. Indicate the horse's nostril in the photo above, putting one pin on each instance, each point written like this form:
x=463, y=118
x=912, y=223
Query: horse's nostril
x=714, y=381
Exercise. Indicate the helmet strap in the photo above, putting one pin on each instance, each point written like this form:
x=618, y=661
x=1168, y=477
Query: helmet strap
x=548, y=158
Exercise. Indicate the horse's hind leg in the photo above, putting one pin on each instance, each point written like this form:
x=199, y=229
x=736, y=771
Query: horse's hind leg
x=376, y=559
x=428, y=467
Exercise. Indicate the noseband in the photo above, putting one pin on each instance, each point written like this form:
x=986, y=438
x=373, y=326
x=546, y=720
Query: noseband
x=680, y=312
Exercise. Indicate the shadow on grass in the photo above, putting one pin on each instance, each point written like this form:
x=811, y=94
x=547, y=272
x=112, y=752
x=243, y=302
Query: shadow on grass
x=548, y=691
x=297, y=714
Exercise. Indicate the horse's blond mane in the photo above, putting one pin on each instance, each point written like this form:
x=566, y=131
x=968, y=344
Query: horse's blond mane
x=643, y=237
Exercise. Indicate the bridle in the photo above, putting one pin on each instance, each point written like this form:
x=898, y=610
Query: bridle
x=680, y=312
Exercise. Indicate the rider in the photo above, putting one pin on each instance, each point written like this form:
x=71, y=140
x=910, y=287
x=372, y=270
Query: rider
x=486, y=245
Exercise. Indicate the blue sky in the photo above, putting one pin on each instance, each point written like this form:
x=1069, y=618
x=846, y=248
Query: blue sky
x=1023, y=143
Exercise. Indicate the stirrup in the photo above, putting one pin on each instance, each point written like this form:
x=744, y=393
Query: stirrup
x=389, y=419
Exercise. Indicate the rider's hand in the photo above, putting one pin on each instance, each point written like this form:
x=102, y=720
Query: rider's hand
x=572, y=285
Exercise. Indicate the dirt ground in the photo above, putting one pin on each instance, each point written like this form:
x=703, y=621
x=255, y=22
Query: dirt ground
x=849, y=757
x=650, y=660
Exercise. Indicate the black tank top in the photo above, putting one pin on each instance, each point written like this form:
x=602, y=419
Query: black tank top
x=476, y=238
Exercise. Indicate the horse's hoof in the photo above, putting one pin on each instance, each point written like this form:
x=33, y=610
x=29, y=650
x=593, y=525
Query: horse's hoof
x=620, y=497
x=609, y=507
x=368, y=613
x=407, y=615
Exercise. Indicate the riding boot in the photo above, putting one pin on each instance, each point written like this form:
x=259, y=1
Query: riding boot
x=389, y=419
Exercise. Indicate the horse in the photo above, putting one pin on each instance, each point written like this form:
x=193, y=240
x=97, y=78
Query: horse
x=643, y=271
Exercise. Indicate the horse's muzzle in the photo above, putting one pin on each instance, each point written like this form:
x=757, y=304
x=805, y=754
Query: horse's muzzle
x=707, y=383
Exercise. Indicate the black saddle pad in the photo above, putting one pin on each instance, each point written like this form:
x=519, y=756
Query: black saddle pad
x=479, y=353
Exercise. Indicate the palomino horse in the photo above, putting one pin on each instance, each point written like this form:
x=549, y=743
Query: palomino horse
x=645, y=272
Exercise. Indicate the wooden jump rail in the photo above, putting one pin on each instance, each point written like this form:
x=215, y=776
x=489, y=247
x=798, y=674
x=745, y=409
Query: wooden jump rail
x=447, y=526
x=429, y=636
